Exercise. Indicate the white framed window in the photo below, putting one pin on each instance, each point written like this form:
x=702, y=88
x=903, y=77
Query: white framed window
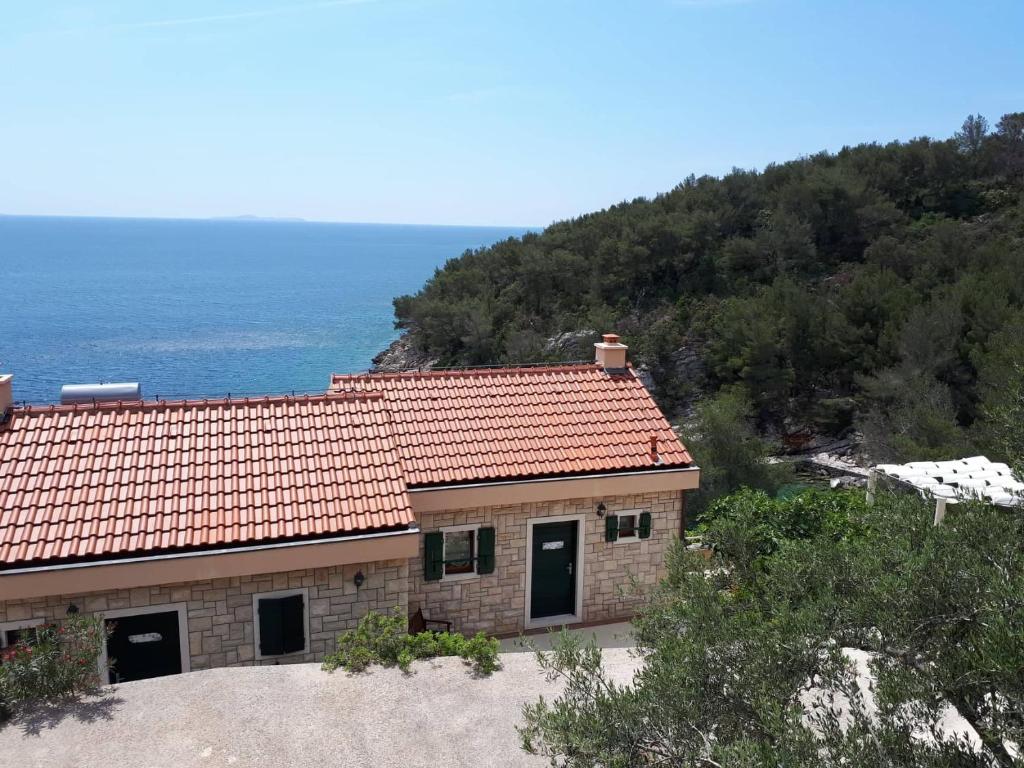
x=461, y=552
x=281, y=623
x=13, y=632
x=627, y=527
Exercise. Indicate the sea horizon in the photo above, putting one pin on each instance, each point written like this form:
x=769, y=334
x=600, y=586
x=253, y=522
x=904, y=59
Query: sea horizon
x=193, y=308
x=246, y=218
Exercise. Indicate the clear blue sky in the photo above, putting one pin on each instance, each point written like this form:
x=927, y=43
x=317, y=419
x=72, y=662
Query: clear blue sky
x=465, y=111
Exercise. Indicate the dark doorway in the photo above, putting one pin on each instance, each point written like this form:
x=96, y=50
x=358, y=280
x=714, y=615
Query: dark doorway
x=143, y=646
x=553, y=578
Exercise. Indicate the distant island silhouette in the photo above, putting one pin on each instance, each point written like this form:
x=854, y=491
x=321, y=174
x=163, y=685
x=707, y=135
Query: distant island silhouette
x=250, y=217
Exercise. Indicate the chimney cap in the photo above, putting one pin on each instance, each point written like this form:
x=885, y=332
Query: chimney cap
x=610, y=354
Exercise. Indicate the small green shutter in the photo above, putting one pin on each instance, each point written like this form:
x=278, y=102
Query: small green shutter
x=611, y=528
x=270, y=628
x=433, y=556
x=485, y=550
x=645, y=525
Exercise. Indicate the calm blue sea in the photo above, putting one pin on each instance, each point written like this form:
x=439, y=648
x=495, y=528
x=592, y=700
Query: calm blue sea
x=203, y=308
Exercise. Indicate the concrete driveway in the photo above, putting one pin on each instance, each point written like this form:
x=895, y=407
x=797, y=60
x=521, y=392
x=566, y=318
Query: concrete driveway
x=297, y=715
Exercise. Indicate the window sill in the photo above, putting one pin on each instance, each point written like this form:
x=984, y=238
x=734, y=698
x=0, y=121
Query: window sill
x=459, y=576
x=628, y=540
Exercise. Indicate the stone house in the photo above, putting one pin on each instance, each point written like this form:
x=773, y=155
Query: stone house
x=252, y=531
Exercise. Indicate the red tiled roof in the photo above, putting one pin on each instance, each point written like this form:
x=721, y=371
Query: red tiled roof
x=503, y=423
x=112, y=480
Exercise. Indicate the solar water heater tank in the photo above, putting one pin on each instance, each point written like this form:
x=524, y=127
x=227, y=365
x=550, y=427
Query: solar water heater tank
x=100, y=393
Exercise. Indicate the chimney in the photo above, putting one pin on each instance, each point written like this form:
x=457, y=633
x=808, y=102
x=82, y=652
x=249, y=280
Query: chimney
x=6, y=395
x=611, y=355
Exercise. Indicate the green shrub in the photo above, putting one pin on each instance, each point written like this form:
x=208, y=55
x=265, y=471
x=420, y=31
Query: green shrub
x=53, y=661
x=750, y=524
x=382, y=639
x=481, y=652
x=730, y=653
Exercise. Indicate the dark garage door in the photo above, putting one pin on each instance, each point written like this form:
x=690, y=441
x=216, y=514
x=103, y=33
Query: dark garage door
x=142, y=646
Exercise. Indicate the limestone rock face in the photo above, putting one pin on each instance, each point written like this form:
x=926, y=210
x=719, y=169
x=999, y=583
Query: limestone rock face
x=646, y=377
x=847, y=482
x=572, y=345
x=689, y=364
x=401, y=355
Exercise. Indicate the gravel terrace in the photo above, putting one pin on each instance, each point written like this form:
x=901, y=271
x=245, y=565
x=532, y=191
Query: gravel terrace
x=297, y=715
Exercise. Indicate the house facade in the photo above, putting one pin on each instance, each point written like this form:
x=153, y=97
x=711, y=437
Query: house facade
x=225, y=532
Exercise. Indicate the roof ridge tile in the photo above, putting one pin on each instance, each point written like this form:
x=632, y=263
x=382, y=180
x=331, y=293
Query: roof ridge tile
x=132, y=406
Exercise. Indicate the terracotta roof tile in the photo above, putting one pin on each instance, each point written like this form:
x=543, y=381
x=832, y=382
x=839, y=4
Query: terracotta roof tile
x=490, y=424
x=113, y=480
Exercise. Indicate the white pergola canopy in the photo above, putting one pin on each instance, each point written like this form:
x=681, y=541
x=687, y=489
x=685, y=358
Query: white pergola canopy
x=974, y=478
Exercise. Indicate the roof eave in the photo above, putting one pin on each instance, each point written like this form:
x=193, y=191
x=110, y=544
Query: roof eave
x=520, y=479
x=51, y=564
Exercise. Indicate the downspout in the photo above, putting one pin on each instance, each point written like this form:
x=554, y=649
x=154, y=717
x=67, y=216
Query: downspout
x=682, y=517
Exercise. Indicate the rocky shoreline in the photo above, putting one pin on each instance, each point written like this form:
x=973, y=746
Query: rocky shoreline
x=401, y=355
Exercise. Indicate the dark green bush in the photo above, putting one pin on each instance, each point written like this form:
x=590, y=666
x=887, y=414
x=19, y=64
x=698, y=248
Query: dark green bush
x=731, y=454
x=382, y=639
x=755, y=524
x=731, y=652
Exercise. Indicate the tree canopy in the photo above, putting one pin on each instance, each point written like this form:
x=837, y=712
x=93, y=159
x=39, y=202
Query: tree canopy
x=752, y=659
x=863, y=288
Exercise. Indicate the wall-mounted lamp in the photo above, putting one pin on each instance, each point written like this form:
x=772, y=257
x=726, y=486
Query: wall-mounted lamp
x=72, y=609
x=601, y=509
x=359, y=579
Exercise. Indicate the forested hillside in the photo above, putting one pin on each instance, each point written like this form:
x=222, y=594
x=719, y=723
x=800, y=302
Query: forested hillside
x=879, y=289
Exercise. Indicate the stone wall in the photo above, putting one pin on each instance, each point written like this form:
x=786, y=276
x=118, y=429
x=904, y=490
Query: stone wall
x=220, y=611
x=496, y=602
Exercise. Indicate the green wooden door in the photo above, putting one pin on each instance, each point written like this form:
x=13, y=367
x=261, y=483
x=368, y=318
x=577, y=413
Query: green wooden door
x=553, y=577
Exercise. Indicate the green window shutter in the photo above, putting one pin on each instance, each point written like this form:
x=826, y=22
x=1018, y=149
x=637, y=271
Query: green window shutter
x=645, y=525
x=293, y=624
x=433, y=556
x=271, y=640
x=485, y=550
x=611, y=528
